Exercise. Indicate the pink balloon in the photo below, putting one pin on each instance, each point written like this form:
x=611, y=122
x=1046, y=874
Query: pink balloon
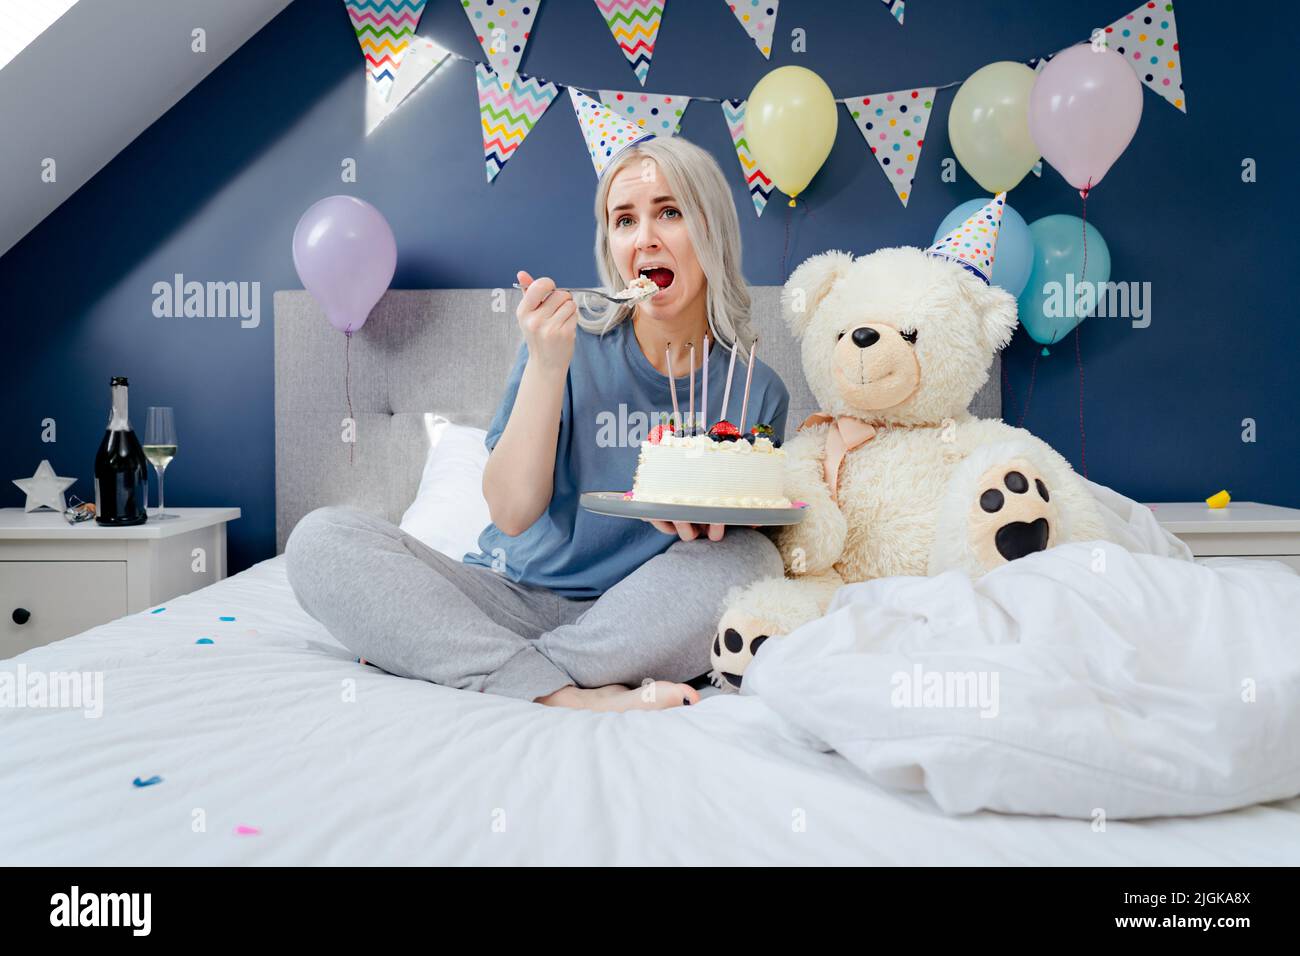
x=345, y=254
x=1083, y=111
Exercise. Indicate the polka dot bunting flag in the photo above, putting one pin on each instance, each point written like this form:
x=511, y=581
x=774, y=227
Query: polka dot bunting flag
x=502, y=28
x=758, y=17
x=974, y=243
x=1148, y=39
x=606, y=134
x=895, y=7
x=893, y=124
x=653, y=112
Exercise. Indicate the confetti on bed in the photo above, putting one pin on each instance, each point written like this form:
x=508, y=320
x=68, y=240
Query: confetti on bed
x=244, y=830
x=158, y=610
x=147, y=783
x=204, y=640
x=224, y=618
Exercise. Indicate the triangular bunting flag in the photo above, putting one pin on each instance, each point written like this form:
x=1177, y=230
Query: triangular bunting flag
x=893, y=124
x=509, y=115
x=653, y=112
x=1148, y=39
x=760, y=187
x=503, y=30
x=1036, y=64
x=635, y=26
x=604, y=132
x=422, y=57
x=896, y=8
x=973, y=245
x=758, y=19
x=384, y=29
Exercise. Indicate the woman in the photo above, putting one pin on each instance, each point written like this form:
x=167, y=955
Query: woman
x=561, y=606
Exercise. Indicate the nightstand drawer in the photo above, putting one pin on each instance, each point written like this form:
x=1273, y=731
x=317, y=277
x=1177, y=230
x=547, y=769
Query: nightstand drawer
x=62, y=598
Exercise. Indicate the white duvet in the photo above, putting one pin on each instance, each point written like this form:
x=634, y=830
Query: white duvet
x=1087, y=681
x=273, y=746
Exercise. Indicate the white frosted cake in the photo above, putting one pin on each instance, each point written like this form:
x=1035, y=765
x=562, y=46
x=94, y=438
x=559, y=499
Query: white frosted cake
x=699, y=470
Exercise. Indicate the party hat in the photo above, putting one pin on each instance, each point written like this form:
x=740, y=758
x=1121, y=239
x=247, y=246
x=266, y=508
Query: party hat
x=973, y=243
x=606, y=134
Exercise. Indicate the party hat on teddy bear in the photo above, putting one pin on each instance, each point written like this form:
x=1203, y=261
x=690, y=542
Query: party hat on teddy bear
x=606, y=134
x=973, y=243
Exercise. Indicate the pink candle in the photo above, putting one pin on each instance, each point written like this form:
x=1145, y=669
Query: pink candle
x=690, y=402
x=749, y=376
x=726, y=391
x=672, y=383
x=704, y=399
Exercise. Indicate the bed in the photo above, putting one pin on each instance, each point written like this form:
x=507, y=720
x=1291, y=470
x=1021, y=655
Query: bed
x=270, y=744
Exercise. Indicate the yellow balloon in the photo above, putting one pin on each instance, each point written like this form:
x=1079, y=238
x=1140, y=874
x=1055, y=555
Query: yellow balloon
x=988, y=125
x=790, y=123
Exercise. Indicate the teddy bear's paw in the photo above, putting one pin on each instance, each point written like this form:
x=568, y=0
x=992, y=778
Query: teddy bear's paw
x=1013, y=514
x=738, y=638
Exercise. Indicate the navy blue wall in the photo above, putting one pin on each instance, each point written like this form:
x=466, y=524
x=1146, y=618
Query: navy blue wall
x=214, y=188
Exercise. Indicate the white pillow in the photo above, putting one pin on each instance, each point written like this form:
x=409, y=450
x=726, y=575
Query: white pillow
x=449, y=511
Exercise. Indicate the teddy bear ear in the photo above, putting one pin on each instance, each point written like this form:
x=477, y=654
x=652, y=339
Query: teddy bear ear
x=996, y=308
x=808, y=285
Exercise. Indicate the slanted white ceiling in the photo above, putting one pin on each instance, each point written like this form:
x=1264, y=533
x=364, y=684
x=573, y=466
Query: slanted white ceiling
x=94, y=80
x=22, y=21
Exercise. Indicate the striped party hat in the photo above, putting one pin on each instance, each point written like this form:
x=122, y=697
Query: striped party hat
x=973, y=243
x=605, y=132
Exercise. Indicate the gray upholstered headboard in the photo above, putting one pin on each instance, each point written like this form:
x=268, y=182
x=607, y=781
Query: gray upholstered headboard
x=421, y=354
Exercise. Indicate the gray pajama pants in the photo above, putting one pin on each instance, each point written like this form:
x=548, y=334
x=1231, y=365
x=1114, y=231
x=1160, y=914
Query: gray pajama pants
x=415, y=612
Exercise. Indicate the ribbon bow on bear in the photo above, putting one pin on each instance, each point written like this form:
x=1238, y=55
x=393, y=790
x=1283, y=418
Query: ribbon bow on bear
x=846, y=434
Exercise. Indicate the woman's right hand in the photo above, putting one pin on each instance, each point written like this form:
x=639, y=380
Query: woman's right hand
x=549, y=320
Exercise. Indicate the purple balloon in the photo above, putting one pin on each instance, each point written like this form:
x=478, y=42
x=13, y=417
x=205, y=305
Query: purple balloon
x=1083, y=111
x=345, y=254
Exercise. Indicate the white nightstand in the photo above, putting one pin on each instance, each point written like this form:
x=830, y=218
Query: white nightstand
x=58, y=579
x=1243, y=529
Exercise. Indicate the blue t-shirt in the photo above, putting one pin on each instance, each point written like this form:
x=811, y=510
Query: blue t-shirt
x=613, y=396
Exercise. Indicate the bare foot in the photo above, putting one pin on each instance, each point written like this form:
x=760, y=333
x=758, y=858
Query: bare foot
x=659, y=695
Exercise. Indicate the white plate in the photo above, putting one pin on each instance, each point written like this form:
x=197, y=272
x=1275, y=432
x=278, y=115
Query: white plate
x=613, y=503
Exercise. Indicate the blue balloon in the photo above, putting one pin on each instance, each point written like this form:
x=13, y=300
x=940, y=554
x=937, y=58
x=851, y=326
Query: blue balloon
x=1015, y=250
x=1060, y=294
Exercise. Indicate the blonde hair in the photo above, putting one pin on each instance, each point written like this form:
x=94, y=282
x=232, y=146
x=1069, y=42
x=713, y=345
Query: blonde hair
x=705, y=199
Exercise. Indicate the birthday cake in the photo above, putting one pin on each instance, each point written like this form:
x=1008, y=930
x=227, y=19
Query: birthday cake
x=720, y=468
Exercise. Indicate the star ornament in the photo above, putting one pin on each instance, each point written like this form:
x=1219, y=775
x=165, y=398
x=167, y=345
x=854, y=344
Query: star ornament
x=45, y=489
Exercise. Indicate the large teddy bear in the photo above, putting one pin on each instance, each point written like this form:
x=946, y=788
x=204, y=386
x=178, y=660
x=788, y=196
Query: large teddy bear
x=899, y=478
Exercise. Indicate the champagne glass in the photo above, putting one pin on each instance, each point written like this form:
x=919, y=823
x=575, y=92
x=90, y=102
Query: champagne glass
x=160, y=448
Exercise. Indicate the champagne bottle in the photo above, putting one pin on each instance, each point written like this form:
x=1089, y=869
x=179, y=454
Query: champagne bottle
x=121, y=472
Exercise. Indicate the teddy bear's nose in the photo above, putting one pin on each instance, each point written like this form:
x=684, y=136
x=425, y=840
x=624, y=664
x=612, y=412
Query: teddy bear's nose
x=865, y=337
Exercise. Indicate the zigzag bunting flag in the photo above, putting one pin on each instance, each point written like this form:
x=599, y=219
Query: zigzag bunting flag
x=509, y=115
x=760, y=187
x=635, y=26
x=422, y=58
x=758, y=17
x=1036, y=64
x=893, y=124
x=895, y=7
x=384, y=29
x=1148, y=38
x=503, y=30
x=653, y=112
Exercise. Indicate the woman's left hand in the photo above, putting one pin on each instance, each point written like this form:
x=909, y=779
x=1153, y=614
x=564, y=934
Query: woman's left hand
x=688, y=531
